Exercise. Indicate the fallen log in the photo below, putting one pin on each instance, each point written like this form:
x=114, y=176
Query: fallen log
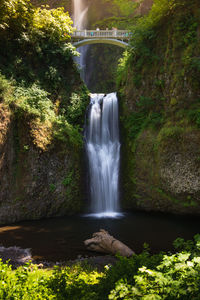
x=103, y=242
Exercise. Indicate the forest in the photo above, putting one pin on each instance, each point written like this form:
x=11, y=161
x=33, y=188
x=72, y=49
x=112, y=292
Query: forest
x=62, y=158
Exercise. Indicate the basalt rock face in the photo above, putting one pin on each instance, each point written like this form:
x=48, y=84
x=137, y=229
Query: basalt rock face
x=35, y=183
x=159, y=98
x=167, y=173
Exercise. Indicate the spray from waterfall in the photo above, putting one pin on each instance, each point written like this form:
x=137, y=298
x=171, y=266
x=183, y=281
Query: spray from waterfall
x=80, y=14
x=80, y=10
x=103, y=151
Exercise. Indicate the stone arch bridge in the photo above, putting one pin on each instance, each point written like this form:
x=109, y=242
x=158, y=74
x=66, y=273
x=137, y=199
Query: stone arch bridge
x=114, y=37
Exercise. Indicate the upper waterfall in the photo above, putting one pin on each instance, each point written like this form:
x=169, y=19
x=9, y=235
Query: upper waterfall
x=80, y=22
x=80, y=14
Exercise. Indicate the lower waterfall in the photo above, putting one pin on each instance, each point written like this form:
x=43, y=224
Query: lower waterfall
x=103, y=151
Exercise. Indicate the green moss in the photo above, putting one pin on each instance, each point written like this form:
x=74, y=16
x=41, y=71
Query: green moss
x=166, y=196
x=173, y=101
x=170, y=133
x=52, y=187
x=190, y=204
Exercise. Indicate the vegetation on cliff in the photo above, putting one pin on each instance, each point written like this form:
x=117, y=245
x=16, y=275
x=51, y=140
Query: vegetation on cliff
x=158, y=81
x=143, y=276
x=42, y=108
x=117, y=13
x=108, y=14
x=36, y=57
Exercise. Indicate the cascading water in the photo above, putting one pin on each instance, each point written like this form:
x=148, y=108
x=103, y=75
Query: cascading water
x=80, y=22
x=103, y=150
x=102, y=138
x=80, y=14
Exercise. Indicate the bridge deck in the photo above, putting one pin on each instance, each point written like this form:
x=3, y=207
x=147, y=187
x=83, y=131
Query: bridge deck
x=90, y=34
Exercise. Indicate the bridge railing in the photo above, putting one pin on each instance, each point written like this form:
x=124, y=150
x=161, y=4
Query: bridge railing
x=120, y=34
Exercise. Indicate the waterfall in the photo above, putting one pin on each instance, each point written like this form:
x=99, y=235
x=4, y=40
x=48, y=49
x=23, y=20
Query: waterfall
x=80, y=14
x=80, y=22
x=102, y=138
x=103, y=151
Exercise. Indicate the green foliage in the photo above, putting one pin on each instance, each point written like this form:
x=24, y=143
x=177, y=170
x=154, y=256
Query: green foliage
x=15, y=16
x=68, y=179
x=173, y=277
x=137, y=121
x=34, y=101
x=6, y=89
x=121, y=14
x=181, y=245
x=171, y=132
x=134, y=123
x=71, y=182
x=76, y=108
x=122, y=69
x=145, y=103
x=55, y=24
x=25, y=283
x=39, y=75
x=39, y=47
x=143, y=276
x=194, y=115
x=74, y=283
x=147, y=41
x=52, y=187
x=67, y=133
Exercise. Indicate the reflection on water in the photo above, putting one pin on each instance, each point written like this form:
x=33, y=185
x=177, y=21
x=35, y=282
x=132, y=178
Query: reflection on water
x=107, y=214
x=62, y=238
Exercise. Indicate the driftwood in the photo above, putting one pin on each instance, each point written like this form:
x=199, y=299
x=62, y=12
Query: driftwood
x=103, y=242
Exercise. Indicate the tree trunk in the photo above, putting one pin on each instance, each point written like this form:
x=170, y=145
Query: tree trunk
x=103, y=242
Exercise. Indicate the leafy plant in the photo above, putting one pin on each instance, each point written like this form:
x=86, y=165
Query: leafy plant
x=76, y=108
x=143, y=276
x=6, y=90
x=35, y=101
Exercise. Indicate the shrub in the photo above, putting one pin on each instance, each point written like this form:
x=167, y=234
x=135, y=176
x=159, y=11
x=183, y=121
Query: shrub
x=67, y=133
x=34, y=101
x=76, y=108
x=6, y=90
x=172, y=132
x=74, y=283
x=143, y=276
x=25, y=283
x=194, y=116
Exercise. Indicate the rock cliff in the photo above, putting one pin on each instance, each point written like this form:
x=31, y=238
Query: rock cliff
x=41, y=175
x=159, y=91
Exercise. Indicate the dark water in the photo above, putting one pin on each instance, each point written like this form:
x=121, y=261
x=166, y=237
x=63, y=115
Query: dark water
x=60, y=239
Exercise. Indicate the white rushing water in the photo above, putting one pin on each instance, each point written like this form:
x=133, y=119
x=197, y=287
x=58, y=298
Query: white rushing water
x=80, y=14
x=103, y=150
x=80, y=10
x=102, y=137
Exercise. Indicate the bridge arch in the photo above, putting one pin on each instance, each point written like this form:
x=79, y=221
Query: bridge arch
x=100, y=41
x=113, y=37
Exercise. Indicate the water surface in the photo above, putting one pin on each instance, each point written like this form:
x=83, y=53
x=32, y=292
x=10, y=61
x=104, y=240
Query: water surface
x=59, y=239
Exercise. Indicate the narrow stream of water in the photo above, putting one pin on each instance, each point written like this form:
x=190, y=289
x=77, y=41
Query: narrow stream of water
x=80, y=10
